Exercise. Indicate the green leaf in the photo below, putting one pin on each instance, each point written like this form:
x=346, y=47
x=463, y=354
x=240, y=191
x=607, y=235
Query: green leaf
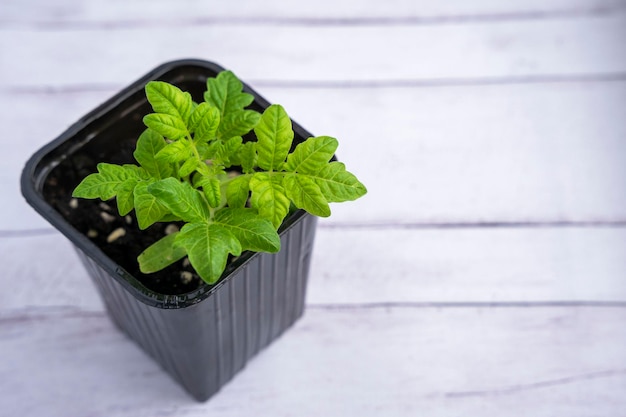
x=148, y=145
x=269, y=198
x=275, y=134
x=188, y=167
x=168, y=99
x=105, y=183
x=208, y=246
x=311, y=155
x=147, y=208
x=237, y=191
x=338, y=185
x=197, y=115
x=160, y=254
x=237, y=123
x=204, y=121
x=232, y=146
x=226, y=153
x=177, y=151
x=169, y=217
x=306, y=195
x=248, y=157
x=126, y=196
x=181, y=199
x=204, y=150
x=225, y=93
x=166, y=125
x=253, y=232
x=211, y=187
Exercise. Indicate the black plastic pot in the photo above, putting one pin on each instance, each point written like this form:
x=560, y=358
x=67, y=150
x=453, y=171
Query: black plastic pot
x=204, y=337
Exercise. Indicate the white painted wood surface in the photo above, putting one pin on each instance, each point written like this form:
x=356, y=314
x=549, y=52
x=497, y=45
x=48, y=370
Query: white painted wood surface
x=337, y=361
x=355, y=267
x=484, y=273
x=68, y=12
x=284, y=54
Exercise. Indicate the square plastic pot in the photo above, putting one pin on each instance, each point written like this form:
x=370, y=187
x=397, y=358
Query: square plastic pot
x=204, y=337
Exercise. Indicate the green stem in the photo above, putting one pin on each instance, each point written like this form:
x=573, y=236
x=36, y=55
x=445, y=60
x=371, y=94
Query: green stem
x=194, y=149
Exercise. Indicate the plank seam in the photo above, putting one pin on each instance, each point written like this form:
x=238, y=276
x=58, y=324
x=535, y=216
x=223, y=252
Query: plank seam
x=34, y=313
x=321, y=21
x=468, y=304
x=561, y=224
x=609, y=77
x=619, y=76
x=549, y=224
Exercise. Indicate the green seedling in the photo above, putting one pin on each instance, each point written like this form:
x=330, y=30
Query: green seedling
x=232, y=195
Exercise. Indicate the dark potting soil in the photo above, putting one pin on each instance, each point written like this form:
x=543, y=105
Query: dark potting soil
x=119, y=237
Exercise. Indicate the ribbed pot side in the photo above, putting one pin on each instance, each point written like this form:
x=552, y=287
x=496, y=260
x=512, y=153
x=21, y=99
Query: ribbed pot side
x=204, y=345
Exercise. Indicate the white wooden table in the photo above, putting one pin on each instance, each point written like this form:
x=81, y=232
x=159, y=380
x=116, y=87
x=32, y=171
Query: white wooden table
x=483, y=275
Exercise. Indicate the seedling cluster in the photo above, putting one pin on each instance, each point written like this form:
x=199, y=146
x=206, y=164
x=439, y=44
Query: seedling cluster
x=193, y=166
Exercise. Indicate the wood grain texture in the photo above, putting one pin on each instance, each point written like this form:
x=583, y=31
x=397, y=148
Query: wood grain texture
x=467, y=154
x=285, y=54
x=116, y=12
x=383, y=267
x=335, y=362
x=474, y=265
x=45, y=271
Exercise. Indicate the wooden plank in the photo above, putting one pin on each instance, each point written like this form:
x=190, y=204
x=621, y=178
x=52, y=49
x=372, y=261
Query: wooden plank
x=550, y=152
x=383, y=266
x=285, y=53
x=45, y=271
x=35, y=120
x=119, y=11
x=335, y=362
x=508, y=153
x=471, y=265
